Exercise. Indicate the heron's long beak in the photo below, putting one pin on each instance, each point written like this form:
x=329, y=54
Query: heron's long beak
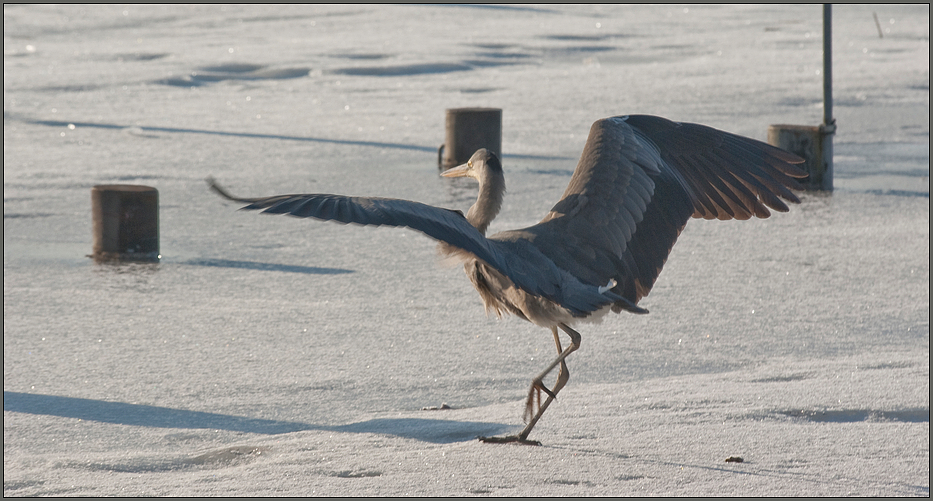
x=458, y=171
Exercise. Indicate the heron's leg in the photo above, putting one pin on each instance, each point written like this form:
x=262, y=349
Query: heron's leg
x=562, y=378
x=564, y=375
x=536, y=384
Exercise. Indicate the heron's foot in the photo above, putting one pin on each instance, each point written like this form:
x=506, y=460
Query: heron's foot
x=533, y=403
x=511, y=439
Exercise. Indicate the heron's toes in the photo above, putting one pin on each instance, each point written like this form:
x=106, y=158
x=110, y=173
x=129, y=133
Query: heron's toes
x=529, y=404
x=533, y=403
x=543, y=388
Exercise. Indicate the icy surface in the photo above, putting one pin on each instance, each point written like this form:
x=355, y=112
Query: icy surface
x=273, y=356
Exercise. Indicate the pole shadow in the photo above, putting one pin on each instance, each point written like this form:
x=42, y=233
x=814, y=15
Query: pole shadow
x=256, y=265
x=177, y=130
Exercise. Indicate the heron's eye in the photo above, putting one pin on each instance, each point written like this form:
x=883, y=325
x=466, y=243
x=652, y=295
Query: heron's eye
x=470, y=163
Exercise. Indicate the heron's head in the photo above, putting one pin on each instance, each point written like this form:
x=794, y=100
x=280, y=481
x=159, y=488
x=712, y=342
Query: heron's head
x=479, y=166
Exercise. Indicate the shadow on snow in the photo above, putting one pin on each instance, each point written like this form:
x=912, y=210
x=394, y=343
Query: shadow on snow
x=427, y=430
x=256, y=265
x=177, y=130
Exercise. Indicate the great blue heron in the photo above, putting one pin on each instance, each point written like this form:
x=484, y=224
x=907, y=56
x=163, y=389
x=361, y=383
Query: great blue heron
x=601, y=247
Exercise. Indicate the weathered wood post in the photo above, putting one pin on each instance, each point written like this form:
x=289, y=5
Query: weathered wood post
x=126, y=223
x=467, y=130
x=807, y=142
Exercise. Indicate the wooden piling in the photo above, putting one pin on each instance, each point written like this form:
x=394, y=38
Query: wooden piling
x=807, y=142
x=126, y=223
x=467, y=130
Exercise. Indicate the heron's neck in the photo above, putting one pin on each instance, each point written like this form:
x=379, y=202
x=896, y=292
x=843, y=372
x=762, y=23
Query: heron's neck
x=489, y=201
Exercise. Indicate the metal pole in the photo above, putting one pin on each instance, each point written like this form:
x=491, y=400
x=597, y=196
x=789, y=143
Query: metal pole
x=829, y=123
x=814, y=143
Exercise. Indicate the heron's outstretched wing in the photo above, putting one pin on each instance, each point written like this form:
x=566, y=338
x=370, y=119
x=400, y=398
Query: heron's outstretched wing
x=441, y=224
x=527, y=270
x=640, y=178
x=728, y=176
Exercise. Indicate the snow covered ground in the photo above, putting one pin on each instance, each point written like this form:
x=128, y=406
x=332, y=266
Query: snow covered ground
x=273, y=356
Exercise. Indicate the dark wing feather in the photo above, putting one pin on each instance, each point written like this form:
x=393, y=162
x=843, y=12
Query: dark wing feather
x=441, y=224
x=639, y=181
x=524, y=266
x=752, y=171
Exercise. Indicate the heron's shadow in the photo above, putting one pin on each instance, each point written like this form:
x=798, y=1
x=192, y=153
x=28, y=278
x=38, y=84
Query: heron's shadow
x=426, y=430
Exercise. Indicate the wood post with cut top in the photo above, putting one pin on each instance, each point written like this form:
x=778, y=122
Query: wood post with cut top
x=467, y=130
x=126, y=223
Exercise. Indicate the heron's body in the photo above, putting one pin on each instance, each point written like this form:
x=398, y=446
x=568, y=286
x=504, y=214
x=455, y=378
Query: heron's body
x=602, y=246
x=501, y=296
